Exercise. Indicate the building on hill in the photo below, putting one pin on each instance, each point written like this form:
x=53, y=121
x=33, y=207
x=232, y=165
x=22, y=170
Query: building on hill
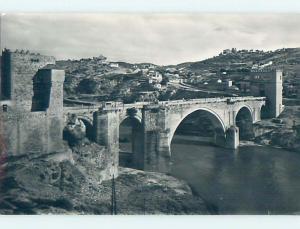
x=31, y=103
x=226, y=51
x=155, y=76
x=244, y=86
x=114, y=65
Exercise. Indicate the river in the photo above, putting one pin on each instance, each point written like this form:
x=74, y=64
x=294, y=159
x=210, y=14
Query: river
x=250, y=180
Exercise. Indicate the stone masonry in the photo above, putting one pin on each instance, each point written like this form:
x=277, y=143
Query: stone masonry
x=31, y=103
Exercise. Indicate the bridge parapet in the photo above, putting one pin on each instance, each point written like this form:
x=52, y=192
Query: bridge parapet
x=80, y=109
x=138, y=105
x=212, y=100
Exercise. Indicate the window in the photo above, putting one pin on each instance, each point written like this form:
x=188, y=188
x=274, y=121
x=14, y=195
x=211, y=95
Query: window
x=35, y=60
x=5, y=108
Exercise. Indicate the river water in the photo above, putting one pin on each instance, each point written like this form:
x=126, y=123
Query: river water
x=250, y=180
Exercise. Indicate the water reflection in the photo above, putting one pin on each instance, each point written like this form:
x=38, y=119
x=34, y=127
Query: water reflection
x=250, y=180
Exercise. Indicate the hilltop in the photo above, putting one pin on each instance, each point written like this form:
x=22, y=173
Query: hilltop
x=233, y=60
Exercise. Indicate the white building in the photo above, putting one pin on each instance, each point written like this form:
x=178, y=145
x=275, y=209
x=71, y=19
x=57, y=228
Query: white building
x=114, y=65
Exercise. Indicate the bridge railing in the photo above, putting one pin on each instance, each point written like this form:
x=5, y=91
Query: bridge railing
x=211, y=100
x=111, y=105
x=81, y=108
x=119, y=105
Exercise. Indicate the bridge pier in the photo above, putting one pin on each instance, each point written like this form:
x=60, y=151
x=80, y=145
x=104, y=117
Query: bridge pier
x=137, y=146
x=106, y=133
x=157, y=151
x=232, y=137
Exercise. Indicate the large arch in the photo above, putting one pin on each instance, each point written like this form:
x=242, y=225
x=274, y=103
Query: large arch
x=209, y=123
x=244, y=121
x=131, y=142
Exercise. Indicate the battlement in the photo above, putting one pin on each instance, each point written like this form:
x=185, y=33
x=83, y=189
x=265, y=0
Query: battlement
x=22, y=52
x=29, y=57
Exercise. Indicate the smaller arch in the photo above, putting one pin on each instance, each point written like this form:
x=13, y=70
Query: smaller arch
x=264, y=112
x=85, y=118
x=89, y=128
x=135, y=117
x=244, y=121
x=131, y=142
x=245, y=106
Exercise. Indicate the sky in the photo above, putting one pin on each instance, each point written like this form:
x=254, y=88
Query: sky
x=158, y=38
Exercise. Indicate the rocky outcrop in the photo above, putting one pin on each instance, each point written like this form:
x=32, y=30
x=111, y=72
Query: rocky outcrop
x=280, y=138
x=75, y=131
x=285, y=134
x=72, y=183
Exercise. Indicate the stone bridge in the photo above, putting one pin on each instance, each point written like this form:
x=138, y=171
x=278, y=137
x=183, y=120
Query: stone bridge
x=154, y=125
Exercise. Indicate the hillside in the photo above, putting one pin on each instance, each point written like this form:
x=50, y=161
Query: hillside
x=97, y=79
x=245, y=59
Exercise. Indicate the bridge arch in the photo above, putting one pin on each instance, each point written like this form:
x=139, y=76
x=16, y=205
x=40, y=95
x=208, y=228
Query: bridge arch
x=245, y=106
x=244, y=121
x=89, y=129
x=264, y=111
x=212, y=115
x=137, y=118
x=131, y=142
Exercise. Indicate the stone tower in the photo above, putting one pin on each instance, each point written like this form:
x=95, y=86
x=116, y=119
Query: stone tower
x=18, y=70
x=274, y=93
x=32, y=103
x=48, y=98
x=48, y=91
x=268, y=83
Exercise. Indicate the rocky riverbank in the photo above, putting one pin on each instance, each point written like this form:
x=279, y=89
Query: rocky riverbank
x=285, y=134
x=71, y=184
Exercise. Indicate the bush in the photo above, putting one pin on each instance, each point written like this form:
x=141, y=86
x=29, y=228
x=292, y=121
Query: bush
x=87, y=86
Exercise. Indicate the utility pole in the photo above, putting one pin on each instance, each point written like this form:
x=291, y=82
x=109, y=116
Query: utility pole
x=113, y=197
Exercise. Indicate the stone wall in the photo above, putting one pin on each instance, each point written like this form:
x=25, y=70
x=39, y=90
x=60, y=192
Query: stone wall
x=30, y=132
